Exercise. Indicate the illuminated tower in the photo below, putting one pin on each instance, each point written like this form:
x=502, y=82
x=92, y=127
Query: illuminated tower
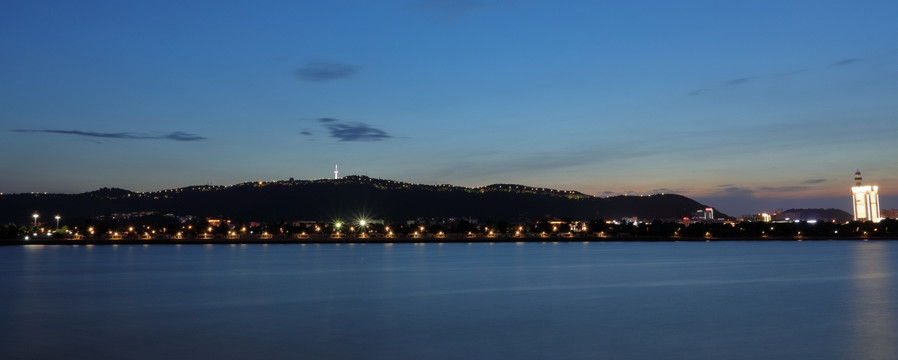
x=336, y=172
x=866, y=200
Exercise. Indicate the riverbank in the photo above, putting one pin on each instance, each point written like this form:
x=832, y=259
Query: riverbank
x=358, y=240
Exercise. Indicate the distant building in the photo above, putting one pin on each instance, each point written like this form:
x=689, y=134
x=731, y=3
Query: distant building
x=890, y=213
x=217, y=222
x=866, y=200
x=704, y=215
x=759, y=217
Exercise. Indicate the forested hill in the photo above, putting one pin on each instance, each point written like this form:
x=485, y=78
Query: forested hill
x=349, y=197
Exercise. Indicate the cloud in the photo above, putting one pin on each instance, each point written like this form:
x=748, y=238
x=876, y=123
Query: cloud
x=175, y=135
x=730, y=83
x=306, y=133
x=730, y=190
x=734, y=190
x=473, y=162
x=179, y=136
x=781, y=75
x=784, y=188
x=450, y=9
x=325, y=71
x=788, y=73
x=739, y=81
x=347, y=131
x=848, y=61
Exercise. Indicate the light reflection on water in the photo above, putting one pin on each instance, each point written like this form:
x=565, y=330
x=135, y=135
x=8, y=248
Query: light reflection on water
x=764, y=300
x=875, y=332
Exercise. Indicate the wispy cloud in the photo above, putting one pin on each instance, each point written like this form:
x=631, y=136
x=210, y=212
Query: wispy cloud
x=788, y=73
x=175, y=135
x=352, y=131
x=726, y=84
x=324, y=71
x=734, y=190
x=781, y=75
x=784, y=188
x=496, y=163
x=739, y=81
x=849, y=61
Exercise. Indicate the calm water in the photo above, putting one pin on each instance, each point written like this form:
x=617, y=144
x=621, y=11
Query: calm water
x=718, y=300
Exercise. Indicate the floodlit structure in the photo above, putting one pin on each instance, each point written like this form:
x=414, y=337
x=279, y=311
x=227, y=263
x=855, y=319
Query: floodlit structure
x=336, y=172
x=866, y=200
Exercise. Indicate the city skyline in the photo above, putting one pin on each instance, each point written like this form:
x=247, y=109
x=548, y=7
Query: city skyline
x=747, y=107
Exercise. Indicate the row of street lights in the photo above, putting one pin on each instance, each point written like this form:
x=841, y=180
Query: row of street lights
x=36, y=215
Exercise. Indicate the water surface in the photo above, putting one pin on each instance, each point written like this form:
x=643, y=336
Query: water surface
x=718, y=300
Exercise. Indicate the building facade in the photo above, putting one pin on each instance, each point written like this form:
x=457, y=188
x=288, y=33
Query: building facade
x=866, y=200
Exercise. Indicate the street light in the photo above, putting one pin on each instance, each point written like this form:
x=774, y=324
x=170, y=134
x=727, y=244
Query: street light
x=35, y=216
x=57, y=222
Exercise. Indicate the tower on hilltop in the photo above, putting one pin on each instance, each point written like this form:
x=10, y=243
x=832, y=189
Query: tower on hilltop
x=336, y=172
x=866, y=200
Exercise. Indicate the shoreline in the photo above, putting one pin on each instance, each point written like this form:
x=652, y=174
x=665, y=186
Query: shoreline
x=357, y=240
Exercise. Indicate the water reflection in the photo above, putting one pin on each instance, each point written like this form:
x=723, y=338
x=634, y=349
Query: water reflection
x=874, y=329
x=572, y=300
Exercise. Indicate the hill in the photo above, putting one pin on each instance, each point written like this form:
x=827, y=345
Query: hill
x=349, y=197
x=838, y=215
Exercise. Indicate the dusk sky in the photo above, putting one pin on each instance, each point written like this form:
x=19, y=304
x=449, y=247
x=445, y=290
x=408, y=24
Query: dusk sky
x=748, y=106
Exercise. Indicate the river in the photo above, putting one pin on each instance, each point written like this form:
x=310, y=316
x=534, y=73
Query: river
x=567, y=300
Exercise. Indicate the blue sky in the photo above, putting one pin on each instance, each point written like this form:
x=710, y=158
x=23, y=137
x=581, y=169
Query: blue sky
x=747, y=106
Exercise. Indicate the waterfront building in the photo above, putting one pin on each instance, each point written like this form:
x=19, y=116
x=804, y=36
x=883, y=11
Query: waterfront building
x=866, y=200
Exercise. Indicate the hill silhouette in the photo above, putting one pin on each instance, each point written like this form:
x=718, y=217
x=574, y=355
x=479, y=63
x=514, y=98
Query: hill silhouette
x=817, y=214
x=349, y=197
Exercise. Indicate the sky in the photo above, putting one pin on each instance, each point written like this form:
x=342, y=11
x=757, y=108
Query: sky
x=747, y=106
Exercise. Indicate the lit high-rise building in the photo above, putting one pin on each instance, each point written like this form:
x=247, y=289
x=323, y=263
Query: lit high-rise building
x=866, y=200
